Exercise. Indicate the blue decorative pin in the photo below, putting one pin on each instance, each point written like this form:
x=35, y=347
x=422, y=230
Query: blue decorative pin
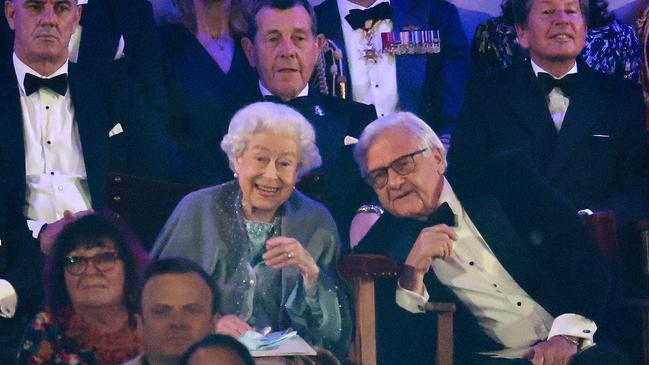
x=317, y=109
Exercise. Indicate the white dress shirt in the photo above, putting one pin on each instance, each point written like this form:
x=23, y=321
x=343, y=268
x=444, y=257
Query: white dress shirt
x=557, y=101
x=54, y=166
x=505, y=312
x=265, y=92
x=372, y=83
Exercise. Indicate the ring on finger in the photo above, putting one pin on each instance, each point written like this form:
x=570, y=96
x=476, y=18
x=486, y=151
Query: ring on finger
x=289, y=255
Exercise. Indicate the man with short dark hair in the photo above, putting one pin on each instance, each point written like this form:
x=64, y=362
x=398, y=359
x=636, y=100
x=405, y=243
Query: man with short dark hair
x=567, y=126
x=176, y=309
x=282, y=45
x=528, y=283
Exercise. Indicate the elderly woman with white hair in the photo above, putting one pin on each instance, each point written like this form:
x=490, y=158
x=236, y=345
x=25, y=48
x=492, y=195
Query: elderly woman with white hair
x=271, y=250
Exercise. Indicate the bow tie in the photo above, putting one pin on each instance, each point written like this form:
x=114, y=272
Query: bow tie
x=295, y=102
x=58, y=84
x=442, y=215
x=566, y=83
x=357, y=18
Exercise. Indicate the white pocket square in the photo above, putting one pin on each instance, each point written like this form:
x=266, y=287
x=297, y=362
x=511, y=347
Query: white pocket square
x=117, y=129
x=349, y=140
x=601, y=136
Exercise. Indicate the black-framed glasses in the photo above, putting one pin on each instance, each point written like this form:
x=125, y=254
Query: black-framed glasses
x=77, y=265
x=403, y=165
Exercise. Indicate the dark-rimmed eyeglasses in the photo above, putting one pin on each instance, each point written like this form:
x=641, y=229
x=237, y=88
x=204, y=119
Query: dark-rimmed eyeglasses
x=403, y=165
x=77, y=265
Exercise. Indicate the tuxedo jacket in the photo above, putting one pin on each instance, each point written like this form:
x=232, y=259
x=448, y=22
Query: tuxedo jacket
x=337, y=183
x=431, y=86
x=550, y=258
x=596, y=160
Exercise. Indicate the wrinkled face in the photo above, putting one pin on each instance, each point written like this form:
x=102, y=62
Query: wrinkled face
x=92, y=287
x=42, y=28
x=555, y=31
x=284, y=50
x=176, y=312
x=267, y=171
x=209, y=356
x=416, y=194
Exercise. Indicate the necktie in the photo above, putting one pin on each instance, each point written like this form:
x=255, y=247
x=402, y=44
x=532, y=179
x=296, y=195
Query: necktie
x=566, y=83
x=58, y=84
x=442, y=215
x=357, y=18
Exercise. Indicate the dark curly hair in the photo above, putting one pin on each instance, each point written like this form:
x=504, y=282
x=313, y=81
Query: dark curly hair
x=87, y=233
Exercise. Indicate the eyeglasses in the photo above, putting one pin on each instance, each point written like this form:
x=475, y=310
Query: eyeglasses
x=403, y=165
x=77, y=265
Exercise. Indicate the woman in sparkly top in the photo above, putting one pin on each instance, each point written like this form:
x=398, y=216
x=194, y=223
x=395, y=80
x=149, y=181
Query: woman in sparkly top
x=91, y=291
x=271, y=250
x=611, y=47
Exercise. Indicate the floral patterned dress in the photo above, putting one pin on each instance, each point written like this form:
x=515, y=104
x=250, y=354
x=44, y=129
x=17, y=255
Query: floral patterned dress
x=71, y=341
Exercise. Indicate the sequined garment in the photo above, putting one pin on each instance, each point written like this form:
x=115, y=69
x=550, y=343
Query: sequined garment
x=208, y=227
x=612, y=49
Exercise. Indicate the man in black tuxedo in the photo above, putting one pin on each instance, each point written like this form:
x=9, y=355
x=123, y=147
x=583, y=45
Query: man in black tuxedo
x=570, y=128
x=63, y=130
x=430, y=85
x=528, y=283
x=282, y=45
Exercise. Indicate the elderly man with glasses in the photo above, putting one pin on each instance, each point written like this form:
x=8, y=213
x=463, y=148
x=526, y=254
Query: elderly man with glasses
x=528, y=283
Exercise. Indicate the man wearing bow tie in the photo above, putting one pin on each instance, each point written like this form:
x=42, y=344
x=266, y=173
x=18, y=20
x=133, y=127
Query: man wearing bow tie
x=581, y=133
x=528, y=284
x=283, y=47
x=430, y=85
x=62, y=132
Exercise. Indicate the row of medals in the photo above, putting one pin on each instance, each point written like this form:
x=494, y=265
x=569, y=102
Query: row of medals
x=409, y=42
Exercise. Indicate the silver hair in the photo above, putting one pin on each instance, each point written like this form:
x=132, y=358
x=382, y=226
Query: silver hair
x=275, y=118
x=401, y=120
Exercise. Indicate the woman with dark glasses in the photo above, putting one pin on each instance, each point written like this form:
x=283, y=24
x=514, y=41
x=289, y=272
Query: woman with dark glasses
x=91, y=280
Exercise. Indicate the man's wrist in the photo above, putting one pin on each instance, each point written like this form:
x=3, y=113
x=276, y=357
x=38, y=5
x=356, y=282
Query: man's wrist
x=40, y=232
x=572, y=340
x=410, y=279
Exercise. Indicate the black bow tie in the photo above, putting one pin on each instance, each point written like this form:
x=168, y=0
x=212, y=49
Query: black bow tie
x=442, y=215
x=295, y=102
x=566, y=83
x=58, y=84
x=357, y=18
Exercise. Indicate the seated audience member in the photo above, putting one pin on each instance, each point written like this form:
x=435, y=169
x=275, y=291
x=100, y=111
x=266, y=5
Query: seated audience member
x=207, y=79
x=611, y=46
x=426, y=81
x=568, y=127
x=282, y=45
x=91, y=286
x=217, y=350
x=176, y=309
x=271, y=250
x=527, y=286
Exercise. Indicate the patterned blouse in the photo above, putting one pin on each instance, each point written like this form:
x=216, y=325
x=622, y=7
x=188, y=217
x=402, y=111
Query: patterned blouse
x=612, y=49
x=74, y=342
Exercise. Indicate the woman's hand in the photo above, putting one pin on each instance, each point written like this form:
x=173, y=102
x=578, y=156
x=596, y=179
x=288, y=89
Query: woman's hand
x=232, y=325
x=282, y=252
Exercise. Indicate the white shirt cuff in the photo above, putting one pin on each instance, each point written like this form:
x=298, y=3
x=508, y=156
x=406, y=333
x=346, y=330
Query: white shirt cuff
x=35, y=227
x=576, y=326
x=8, y=299
x=411, y=301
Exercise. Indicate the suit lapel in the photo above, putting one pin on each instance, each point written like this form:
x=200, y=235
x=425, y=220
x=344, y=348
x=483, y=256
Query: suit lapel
x=12, y=145
x=93, y=132
x=585, y=106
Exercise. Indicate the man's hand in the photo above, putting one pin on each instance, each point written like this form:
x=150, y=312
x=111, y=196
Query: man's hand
x=232, y=325
x=555, y=351
x=433, y=242
x=282, y=252
x=48, y=235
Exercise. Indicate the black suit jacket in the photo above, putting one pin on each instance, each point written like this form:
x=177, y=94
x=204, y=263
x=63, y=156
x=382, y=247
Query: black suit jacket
x=431, y=86
x=337, y=183
x=596, y=160
x=549, y=257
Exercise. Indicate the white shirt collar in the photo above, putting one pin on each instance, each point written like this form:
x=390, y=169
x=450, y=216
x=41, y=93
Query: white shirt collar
x=266, y=92
x=538, y=69
x=344, y=6
x=21, y=69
